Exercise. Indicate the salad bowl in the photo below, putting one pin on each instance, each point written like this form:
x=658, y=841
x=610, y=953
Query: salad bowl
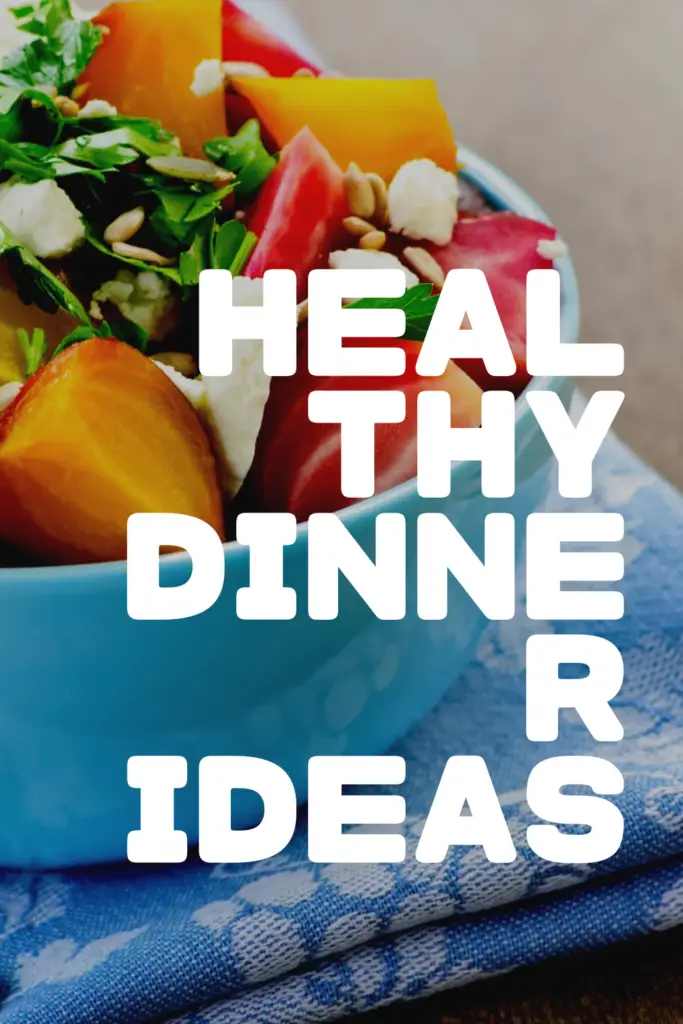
x=84, y=687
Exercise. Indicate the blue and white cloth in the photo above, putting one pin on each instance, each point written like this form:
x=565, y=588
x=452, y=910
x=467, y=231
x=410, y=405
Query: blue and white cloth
x=287, y=940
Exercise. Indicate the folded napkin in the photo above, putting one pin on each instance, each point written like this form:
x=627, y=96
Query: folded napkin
x=287, y=940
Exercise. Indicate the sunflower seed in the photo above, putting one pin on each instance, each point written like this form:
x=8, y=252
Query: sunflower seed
x=190, y=170
x=124, y=227
x=373, y=240
x=304, y=73
x=381, y=193
x=135, y=252
x=424, y=264
x=243, y=69
x=302, y=312
x=359, y=194
x=66, y=106
x=49, y=90
x=358, y=227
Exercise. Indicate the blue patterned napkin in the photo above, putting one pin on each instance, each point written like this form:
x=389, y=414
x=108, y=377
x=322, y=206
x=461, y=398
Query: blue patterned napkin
x=287, y=940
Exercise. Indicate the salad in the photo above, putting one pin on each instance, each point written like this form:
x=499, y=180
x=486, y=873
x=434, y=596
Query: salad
x=165, y=137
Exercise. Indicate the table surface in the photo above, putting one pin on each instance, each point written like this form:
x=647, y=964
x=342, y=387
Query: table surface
x=636, y=983
x=578, y=102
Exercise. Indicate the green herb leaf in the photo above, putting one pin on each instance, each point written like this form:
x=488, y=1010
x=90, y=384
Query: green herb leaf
x=180, y=210
x=35, y=283
x=112, y=149
x=130, y=332
x=195, y=259
x=245, y=155
x=61, y=50
x=418, y=303
x=173, y=273
x=123, y=330
x=231, y=247
x=16, y=159
x=17, y=116
x=141, y=126
x=79, y=334
x=34, y=347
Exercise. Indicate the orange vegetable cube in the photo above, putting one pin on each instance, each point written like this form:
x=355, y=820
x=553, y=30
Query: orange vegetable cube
x=146, y=64
x=380, y=124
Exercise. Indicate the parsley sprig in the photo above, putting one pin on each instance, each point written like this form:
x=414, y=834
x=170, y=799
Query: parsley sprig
x=60, y=51
x=418, y=304
x=101, y=163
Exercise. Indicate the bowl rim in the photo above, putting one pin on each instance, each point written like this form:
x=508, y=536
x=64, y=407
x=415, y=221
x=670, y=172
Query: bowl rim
x=503, y=193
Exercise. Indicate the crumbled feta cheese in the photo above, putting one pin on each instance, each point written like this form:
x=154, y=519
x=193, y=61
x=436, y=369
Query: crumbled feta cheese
x=369, y=259
x=208, y=78
x=233, y=412
x=42, y=217
x=194, y=390
x=234, y=405
x=145, y=298
x=8, y=392
x=423, y=202
x=247, y=291
x=98, y=108
x=552, y=249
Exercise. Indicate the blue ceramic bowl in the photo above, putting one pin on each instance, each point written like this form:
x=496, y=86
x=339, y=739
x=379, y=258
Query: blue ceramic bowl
x=84, y=687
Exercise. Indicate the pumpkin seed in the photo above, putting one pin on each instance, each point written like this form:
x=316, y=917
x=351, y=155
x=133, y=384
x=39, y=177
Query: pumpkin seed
x=187, y=169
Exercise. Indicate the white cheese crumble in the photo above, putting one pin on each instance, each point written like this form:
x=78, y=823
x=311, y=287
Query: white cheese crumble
x=145, y=298
x=552, y=249
x=247, y=291
x=194, y=390
x=423, y=202
x=8, y=392
x=369, y=259
x=234, y=405
x=98, y=108
x=208, y=78
x=42, y=217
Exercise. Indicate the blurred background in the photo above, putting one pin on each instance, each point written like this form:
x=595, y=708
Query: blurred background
x=582, y=102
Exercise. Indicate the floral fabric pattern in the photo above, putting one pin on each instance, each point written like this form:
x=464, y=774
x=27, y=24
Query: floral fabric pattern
x=289, y=940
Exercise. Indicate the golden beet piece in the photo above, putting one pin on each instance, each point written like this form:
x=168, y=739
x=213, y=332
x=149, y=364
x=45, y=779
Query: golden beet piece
x=146, y=65
x=96, y=435
x=377, y=123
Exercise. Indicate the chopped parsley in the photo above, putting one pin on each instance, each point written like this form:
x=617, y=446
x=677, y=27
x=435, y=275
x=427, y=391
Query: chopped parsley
x=60, y=51
x=102, y=165
x=36, y=283
x=33, y=347
x=418, y=304
x=245, y=155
